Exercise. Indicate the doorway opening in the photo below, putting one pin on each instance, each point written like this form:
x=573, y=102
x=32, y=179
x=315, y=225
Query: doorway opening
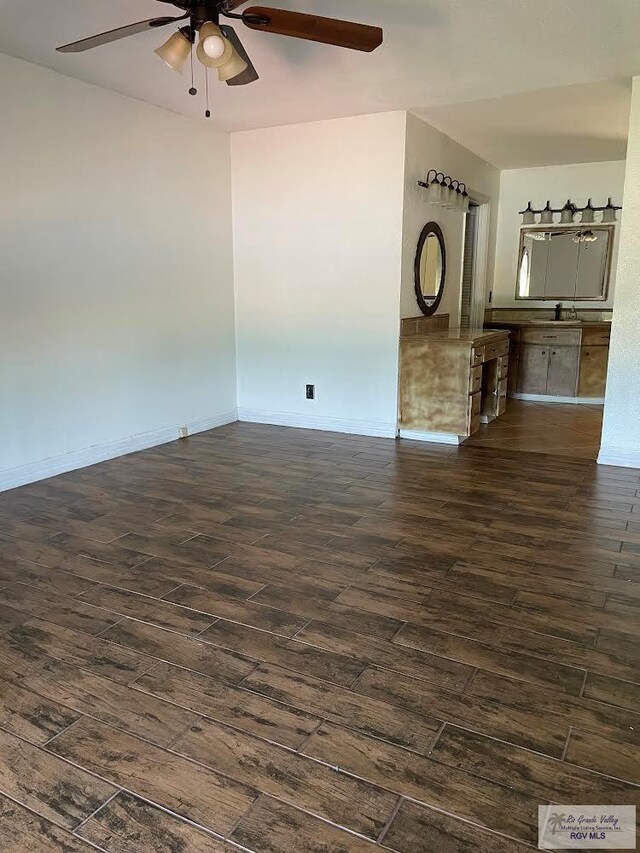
x=468, y=266
x=474, y=266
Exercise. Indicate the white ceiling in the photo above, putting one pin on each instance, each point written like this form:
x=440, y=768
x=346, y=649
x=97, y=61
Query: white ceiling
x=572, y=124
x=436, y=53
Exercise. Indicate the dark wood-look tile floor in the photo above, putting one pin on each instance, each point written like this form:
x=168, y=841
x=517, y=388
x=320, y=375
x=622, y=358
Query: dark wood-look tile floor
x=297, y=642
x=559, y=429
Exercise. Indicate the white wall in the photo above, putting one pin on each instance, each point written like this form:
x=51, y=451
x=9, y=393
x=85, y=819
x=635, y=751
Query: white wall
x=579, y=182
x=116, y=274
x=621, y=431
x=428, y=148
x=317, y=214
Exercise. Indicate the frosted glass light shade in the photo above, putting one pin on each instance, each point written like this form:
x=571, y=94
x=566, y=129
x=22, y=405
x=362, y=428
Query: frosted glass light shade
x=609, y=213
x=449, y=196
x=529, y=216
x=210, y=40
x=434, y=193
x=546, y=217
x=235, y=66
x=175, y=52
x=588, y=213
x=566, y=217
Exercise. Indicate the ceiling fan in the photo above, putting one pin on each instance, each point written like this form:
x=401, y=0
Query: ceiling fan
x=220, y=47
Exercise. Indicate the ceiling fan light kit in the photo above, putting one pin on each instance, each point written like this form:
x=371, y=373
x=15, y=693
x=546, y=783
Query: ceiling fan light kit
x=216, y=51
x=233, y=68
x=175, y=52
x=213, y=44
x=220, y=47
x=213, y=49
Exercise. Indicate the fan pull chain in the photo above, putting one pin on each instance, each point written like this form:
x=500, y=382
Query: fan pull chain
x=192, y=90
x=207, y=113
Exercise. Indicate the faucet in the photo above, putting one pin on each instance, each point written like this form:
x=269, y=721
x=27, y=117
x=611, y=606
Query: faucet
x=558, y=314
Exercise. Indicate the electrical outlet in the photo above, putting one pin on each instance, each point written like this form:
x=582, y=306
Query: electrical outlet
x=184, y=432
x=311, y=392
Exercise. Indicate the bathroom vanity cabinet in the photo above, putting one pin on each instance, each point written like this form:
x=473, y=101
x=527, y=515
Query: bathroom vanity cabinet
x=451, y=381
x=554, y=361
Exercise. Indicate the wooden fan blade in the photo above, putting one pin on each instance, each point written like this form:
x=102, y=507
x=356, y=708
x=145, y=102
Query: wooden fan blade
x=250, y=75
x=230, y=5
x=314, y=28
x=119, y=33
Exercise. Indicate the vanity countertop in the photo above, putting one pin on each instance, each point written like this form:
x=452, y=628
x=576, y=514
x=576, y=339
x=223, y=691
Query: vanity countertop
x=463, y=336
x=562, y=324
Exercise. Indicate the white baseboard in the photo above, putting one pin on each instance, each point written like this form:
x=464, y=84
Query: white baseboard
x=619, y=457
x=433, y=437
x=11, y=478
x=379, y=429
x=545, y=398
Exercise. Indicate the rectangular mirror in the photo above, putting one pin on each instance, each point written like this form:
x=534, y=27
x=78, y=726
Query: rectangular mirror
x=571, y=262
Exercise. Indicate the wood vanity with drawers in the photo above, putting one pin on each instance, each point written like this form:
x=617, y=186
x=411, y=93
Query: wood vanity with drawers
x=451, y=381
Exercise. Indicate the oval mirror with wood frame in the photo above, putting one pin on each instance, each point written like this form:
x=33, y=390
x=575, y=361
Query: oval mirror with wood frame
x=430, y=268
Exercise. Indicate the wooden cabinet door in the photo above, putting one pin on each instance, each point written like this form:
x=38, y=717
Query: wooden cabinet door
x=593, y=371
x=534, y=366
x=562, y=378
x=514, y=368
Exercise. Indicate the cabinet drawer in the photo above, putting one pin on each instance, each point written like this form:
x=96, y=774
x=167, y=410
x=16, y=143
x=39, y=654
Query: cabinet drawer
x=503, y=366
x=491, y=352
x=595, y=337
x=477, y=356
x=475, y=379
x=549, y=337
x=495, y=350
x=474, y=425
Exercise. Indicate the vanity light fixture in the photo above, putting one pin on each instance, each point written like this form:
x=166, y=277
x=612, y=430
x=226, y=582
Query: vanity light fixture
x=463, y=203
x=457, y=196
x=609, y=212
x=445, y=190
x=529, y=215
x=433, y=186
x=569, y=212
x=588, y=214
x=546, y=216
